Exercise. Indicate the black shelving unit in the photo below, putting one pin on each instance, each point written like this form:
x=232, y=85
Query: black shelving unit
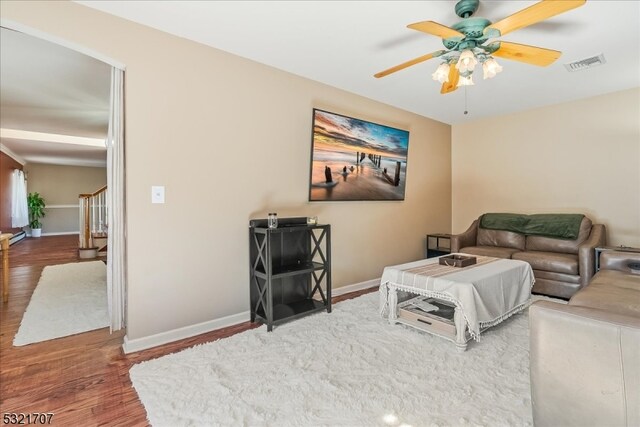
x=289, y=266
x=438, y=245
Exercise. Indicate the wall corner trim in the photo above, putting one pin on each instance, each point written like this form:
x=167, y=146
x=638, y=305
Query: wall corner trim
x=144, y=343
x=13, y=155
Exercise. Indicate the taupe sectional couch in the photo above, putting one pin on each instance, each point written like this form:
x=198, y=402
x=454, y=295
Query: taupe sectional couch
x=561, y=266
x=585, y=355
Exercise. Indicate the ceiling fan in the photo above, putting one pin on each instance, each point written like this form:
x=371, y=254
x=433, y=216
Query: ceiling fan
x=467, y=42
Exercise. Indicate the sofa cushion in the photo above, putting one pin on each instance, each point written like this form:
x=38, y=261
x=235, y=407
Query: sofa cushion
x=621, y=261
x=494, y=251
x=549, y=244
x=552, y=275
x=550, y=261
x=501, y=238
x=616, y=278
x=613, y=291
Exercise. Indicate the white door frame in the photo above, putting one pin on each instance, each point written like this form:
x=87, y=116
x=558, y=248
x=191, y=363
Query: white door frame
x=16, y=26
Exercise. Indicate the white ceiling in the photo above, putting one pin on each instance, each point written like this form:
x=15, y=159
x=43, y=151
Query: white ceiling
x=52, y=90
x=343, y=43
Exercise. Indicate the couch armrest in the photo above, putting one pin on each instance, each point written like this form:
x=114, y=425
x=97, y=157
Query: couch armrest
x=468, y=238
x=585, y=366
x=587, y=253
x=618, y=260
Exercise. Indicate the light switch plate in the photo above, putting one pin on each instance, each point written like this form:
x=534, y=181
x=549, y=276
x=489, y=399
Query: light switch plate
x=157, y=194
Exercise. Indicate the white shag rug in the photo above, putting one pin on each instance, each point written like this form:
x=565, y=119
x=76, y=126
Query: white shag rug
x=347, y=368
x=69, y=299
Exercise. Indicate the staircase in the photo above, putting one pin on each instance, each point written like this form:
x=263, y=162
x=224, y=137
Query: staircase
x=93, y=224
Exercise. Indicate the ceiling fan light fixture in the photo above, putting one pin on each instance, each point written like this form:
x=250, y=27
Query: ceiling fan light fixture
x=465, y=81
x=467, y=61
x=442, y=73
x=467, y=43
x=491, y=68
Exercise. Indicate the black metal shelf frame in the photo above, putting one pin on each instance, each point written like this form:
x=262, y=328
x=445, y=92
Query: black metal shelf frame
x=288, y=268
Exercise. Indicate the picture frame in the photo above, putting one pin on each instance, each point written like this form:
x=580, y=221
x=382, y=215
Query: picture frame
x=356, y=160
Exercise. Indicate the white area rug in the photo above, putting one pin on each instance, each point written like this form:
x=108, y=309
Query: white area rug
x=69, y=299
x=347, y=368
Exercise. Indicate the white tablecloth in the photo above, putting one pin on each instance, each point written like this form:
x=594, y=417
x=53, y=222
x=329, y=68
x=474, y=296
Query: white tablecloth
x=487, y=293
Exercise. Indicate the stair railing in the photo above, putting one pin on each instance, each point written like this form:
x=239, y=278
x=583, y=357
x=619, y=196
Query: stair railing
x=94, y=219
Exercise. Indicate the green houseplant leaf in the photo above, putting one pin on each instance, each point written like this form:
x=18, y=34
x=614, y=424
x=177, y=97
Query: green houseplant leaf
x=36, y=205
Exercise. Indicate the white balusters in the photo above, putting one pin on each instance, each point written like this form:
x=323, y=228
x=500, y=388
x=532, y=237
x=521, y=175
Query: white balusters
x=93, y=216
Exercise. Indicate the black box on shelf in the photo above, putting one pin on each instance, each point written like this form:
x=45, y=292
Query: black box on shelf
x=282, y=222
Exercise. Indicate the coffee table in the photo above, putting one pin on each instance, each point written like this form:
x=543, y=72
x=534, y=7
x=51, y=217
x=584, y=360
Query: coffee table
x=482, y=295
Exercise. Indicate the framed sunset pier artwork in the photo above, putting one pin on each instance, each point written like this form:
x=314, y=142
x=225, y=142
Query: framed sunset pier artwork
x=353, y=159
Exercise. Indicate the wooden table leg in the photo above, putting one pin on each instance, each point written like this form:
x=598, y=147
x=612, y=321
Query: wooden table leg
x=461, y=330
x=5, y=269
x=393, y=304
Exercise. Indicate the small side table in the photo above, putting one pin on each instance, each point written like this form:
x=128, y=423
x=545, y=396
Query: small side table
x=620, y=248
x=438, y=245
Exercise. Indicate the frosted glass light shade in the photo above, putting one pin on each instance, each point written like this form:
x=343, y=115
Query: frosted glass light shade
x=491, y=68
x=465, y=81
x=467, y=61
x=442, y=73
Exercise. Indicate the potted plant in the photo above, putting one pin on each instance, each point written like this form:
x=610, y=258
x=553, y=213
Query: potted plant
x=36, y=205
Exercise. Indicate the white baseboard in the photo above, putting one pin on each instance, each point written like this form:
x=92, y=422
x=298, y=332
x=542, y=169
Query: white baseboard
x=139, y=344
x=62, y=233
x=356, y=287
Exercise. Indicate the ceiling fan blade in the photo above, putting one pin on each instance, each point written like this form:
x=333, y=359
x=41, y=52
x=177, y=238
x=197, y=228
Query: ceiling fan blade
x=452, y=84
x=529, y=16
x=409, y=63
x=431, y=27
x=525, y=53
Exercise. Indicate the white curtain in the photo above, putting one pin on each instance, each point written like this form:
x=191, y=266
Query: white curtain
x=19, y=208
x=116, y=237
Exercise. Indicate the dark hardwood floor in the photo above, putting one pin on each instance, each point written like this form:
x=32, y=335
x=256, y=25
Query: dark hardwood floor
x=82, y=379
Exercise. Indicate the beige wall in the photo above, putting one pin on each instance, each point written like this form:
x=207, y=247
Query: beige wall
x=60, y=186
x=581, y=156
x=230, y=140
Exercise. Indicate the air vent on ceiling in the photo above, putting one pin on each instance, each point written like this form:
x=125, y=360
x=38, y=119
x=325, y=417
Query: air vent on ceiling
x=583, y=64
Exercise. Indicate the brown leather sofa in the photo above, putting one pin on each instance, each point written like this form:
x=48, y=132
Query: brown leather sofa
x=585, y=355
x=561, y=267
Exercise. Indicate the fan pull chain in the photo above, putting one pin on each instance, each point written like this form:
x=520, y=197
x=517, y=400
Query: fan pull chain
x=465, y=101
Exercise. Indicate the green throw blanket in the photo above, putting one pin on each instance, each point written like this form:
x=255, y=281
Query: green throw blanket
x=504, y=221
x=560, y=226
